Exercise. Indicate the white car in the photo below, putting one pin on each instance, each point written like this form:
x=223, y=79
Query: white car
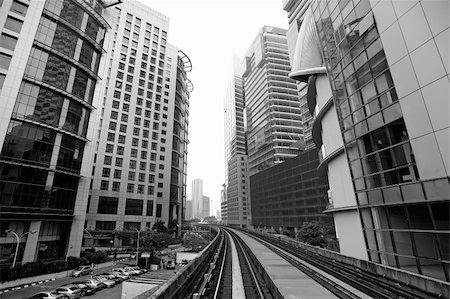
x=133, y=270
x=108, y=282
x=94, y=284
x=123, y=271
x=82, y=270
x=120, y=275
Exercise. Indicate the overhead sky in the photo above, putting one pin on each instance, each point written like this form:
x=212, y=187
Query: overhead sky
x=210, y=32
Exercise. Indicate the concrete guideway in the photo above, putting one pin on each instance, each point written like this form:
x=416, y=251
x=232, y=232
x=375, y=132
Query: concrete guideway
x=290, y=281
x=237, y=282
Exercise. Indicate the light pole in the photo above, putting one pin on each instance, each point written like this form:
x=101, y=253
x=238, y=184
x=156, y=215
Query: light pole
x=18, y=241
x=92, y=237
x=137, y=246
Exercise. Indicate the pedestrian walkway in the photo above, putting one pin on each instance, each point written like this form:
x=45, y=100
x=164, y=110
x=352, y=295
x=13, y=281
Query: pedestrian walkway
x=290, y=281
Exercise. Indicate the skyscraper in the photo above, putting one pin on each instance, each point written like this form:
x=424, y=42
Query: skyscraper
x=197, y=197
x=271, y=98
x=205, y=207
x=236, y=174
x=139, y=153
x=388, y=65
x=49, y=59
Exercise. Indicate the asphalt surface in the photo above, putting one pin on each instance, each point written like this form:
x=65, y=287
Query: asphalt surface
x=112, y=293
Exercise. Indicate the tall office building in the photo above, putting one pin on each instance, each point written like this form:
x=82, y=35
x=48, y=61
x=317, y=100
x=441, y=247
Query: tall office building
x=273, y=112
x=205, y=207
x=197, y=197
x=49, y=59
x=236, y=174
x=388, y=65
x=223, y=204
x=188, y=212
x=139, y=152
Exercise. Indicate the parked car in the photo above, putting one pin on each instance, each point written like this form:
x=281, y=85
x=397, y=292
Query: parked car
x=170, y=264
x=70, y=290
x=95, y=284
x=133, y=255
x=112, y=277
x=143, y=270
x=120, y=275
x=85, y=290
x=133, y=270
x=108, y=282
x=82, y=270
x=123, y=271
x=47, y=295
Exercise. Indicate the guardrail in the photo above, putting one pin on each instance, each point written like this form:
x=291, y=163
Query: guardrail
x=173, y=285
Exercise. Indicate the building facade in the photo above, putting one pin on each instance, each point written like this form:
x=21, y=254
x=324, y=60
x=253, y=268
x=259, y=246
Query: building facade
x=49, y=60
x=139, y=153
x=387, y=62
x=271, y=99
x=289, y=194
x=236, y=173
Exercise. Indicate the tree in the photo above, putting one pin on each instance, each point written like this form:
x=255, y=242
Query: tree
x=159, y=226
x=154, y=243
x=312, y=233
x=172, y=226
x=195, y=241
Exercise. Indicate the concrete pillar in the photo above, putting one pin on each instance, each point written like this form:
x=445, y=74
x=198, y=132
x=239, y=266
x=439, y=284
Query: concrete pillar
x=31, y=246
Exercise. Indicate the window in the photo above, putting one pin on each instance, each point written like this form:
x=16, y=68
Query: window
x=116, y=186
x=8, y=41
x=111, y=137
x=158, y=209
x=149, y=207
x=134, y=153
x=122, y=139
x=105, y=225
x=130, y=188
x=107, y=205
x=120, y=150
x=133, y=206
x=141, y=177
x=150, y=190
x=109, y=148
x=104, y=185
x=160, y=185
x=131, y=225
x=13, y=24
x=117, y=174
x=131, y=175
x=140, y=189
x=119, y=162
x=19, y=8
x=107, y=160
x=106, y=172
x=132, y=164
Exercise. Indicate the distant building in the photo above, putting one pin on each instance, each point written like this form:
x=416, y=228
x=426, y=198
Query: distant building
x=236, y=174
x=223, y=204
x=205, y=207
x=289, y=194
x=49, y=60
x=197, y=197
x=188, y=214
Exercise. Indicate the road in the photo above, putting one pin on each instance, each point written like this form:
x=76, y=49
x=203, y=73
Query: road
x=113, y=293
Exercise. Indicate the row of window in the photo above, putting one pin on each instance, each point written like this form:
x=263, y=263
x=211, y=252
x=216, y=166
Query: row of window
x=109, y=205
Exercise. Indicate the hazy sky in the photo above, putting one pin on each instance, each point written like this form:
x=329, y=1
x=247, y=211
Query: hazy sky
x=209, y=32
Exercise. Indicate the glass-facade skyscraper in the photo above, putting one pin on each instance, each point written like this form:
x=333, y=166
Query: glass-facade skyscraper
x=387, y=62
x=49, y=59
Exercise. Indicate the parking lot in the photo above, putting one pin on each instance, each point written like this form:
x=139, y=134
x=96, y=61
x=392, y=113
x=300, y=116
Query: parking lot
x=114, y=292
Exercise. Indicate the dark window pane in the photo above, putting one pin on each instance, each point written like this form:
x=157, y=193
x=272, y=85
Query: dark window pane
x=397, y=217
x=107, y=205
x=133, y=206
x=441, y=215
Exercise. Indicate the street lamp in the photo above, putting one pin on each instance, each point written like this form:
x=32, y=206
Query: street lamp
x=137, y=246
x=18, y=241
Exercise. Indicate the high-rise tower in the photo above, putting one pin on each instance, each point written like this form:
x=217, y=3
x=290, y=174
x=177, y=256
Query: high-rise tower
x=49, y=59
x=139, y=153
x=272, y=107
x=236, y=173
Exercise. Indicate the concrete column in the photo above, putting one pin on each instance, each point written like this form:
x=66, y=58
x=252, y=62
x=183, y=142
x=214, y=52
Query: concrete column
x=31, y=246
